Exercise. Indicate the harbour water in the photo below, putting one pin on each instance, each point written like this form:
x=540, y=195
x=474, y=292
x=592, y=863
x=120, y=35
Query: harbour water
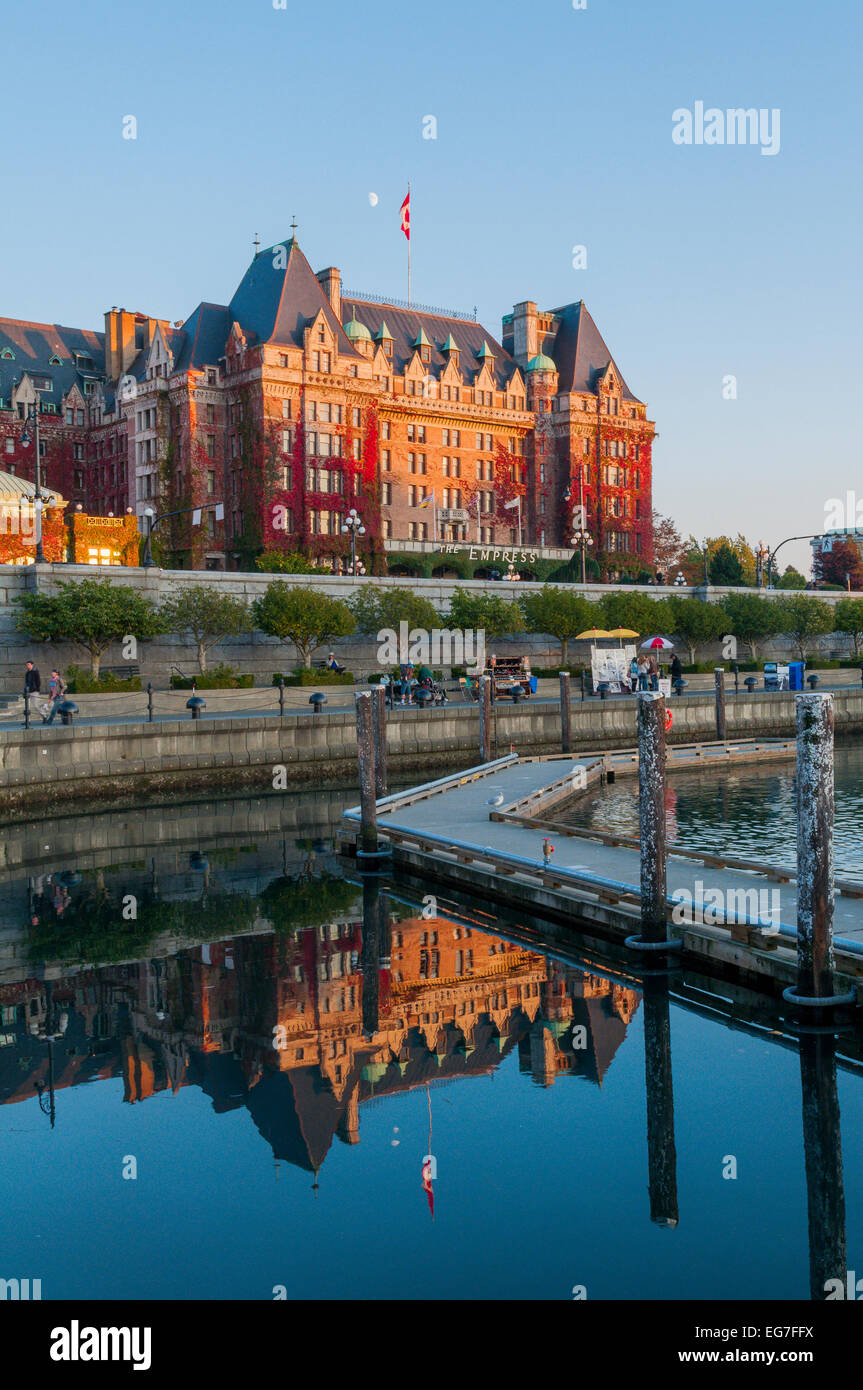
x=273, y=1081
x=750, y=812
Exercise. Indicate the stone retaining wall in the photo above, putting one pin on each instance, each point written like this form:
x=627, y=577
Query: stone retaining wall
x=262, y=655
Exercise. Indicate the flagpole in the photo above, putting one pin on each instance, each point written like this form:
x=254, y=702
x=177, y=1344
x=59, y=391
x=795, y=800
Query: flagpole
x=409, y=243
x=434, y=516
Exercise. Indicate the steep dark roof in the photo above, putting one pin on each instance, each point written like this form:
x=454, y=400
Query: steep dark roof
x=277, y=305
x=203, y=338
x=580, y=351
x=405, y=325
x=34, y=343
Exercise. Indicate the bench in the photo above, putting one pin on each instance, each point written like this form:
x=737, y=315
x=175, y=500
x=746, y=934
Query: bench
x=127, y=670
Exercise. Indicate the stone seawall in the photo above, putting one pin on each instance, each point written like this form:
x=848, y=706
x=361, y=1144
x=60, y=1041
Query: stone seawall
x=43, y=767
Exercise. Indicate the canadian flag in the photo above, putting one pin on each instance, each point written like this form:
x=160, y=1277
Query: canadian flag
x=406, y=216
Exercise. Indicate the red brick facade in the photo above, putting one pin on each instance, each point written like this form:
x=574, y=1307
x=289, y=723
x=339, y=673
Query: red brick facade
x=295, y=403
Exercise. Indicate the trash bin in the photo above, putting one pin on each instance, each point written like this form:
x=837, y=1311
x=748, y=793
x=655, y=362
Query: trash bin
x=795, y=675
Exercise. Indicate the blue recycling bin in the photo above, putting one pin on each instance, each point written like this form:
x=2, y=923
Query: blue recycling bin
x=533, y=685
x=795, y=674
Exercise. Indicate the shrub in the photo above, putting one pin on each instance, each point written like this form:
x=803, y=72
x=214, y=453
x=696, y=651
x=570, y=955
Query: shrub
x=303, y=676
x=219, y=678
x=79, y=682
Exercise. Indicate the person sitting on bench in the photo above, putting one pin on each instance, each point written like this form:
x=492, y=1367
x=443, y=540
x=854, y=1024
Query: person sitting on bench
x=333, y=665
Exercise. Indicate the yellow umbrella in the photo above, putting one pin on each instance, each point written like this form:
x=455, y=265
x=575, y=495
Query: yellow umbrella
x=623, y=632
x=592, y=632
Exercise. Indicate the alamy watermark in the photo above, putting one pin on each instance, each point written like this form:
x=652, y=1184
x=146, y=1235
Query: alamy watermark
x=758, y=907
x=439, y=647
x=734, y=126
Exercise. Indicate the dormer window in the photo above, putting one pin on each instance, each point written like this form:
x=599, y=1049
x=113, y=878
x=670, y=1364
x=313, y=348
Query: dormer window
x=7, y=355
x=322, y=336
x=55, y=361
x=425, y=354
x=387, y=347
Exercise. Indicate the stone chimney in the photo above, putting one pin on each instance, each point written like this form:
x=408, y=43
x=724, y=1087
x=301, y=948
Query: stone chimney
x=330, y=281
x=120, y=346
x=524, y=332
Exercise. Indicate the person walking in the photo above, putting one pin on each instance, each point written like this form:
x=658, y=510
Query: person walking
x=676, y=669
x=653, y=672
x=643, y=669
x=32, y=682
x=633, y=674
x=56, y=696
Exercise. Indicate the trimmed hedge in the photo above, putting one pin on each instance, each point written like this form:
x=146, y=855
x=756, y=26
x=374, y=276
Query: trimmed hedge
x=220, y=678
x=303, y=676
x=78, y=682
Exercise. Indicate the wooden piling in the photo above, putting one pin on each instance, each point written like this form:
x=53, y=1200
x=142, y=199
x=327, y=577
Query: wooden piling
x=485, y=719
x=822, y=1148
x=380, y=739
x=370, y=956
x=719, y=682
x=368, y=841
x=815, y=959
x=651, y=814
x=565, y=714
x=661, y=1149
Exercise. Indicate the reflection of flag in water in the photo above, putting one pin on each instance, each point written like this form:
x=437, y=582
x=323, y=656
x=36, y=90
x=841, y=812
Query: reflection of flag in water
x=427, y=1183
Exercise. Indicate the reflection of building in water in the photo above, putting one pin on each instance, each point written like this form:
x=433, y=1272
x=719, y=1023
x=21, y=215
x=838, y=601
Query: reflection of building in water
x=274, y=1023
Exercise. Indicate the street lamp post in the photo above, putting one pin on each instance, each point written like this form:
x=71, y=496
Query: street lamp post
x=50, y=1034
x=353, y=526
x=147, y=559
x=580, y=534
x=39, y=498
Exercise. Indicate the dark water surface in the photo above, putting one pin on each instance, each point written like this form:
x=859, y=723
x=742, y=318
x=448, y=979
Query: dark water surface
x=521, y=1073
x=748, y=812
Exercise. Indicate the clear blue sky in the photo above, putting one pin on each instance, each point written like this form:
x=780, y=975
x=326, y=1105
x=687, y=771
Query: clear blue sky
x=554, y=129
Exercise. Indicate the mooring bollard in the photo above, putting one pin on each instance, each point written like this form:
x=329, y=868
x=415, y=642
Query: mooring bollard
x=719, y=683
x=815, y=958
x=485, y=719
x=565, y=713
x=379, y=700
x=149, y=702
x=651, y=815
x=366, y=758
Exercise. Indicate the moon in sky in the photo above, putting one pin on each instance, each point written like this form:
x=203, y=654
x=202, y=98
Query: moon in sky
x=373, y=199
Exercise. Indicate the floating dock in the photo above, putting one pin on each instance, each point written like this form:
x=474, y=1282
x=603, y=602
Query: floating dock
x=482, y=832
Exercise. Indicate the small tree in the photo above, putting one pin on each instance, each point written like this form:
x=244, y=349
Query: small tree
x=207, y=613
x=305, y=617
x=481, y=612
x=377, y=609
x=558, y=612
x=695, y=622
x=791, y=579
x=667, y=546
x=639, y=612
x=803, y=618
x=724, y=567
x=849, y=619
x=751, y=619
x=841, y=563
x=91, y=614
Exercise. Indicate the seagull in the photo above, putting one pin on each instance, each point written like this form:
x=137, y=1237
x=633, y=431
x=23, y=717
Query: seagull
x=496, y=800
